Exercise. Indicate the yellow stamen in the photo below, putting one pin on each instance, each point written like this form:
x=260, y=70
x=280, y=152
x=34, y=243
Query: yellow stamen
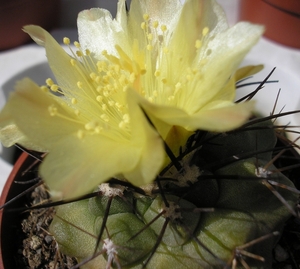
x=205, y=31
x=146, y=17
x=54, y=88
x=49, y=82
x=198, y=44
x=77, y=44
x=155, y=24
x=66, y=41
x=164, y=28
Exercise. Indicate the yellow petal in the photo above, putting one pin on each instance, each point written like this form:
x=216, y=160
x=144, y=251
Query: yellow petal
x=28, y=108
x=225, y=118
x=96, y=23
x=195, y=16
x=247, y=71
x=67, y=76
x=177, y=138
x=10, y=134
x=76, y=166
x=147, y=139
x=165, y=12
x=219, y=116
x=222, y=56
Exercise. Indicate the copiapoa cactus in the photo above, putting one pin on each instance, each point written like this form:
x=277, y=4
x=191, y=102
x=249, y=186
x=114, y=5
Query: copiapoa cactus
x=143, y=115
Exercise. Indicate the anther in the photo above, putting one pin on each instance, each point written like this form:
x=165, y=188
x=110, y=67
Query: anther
x=104, y=117
x=126, y=118
x=90, y=126
x=73, y=62
x=106, y=93
x=52, y=110
x=99, y=98
x=122, y=125
x=54, y=88
x=76, y=44
x=165, y=50
x=79, y=84
x=155, y=24
x=146, y=17
x=98, y=129
x=198, y=44
x=49, y=82
x=205, y=31
x=93, y=76
x=178, y=86
x=66, y=40
x=74, y=101
x=79, y=53
x=149, y=47
x=163, y=28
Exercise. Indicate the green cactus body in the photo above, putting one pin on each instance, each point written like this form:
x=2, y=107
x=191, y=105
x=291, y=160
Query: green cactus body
x=171, y=228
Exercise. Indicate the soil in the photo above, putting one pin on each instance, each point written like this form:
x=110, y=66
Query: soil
x=38, y=249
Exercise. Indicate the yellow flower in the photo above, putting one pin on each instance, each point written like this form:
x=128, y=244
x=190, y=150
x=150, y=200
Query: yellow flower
x=174, y=63
x=182, y=59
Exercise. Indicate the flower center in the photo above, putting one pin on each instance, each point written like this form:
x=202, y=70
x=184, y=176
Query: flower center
x=155, y=67
x=97, y=98
x=167, y=72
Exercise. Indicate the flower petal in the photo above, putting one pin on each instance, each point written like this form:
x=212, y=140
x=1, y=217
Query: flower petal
x=76, y=166
x=152, y=149
x=247, y=71
x=195, y=16
x=221, y=117
x=66, y=74
x=227, y=49
x=28, y=108
x=98, y=31
x=165, y=12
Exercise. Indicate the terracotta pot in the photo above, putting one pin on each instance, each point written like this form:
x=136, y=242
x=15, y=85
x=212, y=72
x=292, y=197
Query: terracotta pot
x=14, y=14
x=9, y=221
x=281, y=18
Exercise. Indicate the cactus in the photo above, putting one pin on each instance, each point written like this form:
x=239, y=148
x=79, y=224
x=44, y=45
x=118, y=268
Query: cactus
x=224, y=214
x=181, y=177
